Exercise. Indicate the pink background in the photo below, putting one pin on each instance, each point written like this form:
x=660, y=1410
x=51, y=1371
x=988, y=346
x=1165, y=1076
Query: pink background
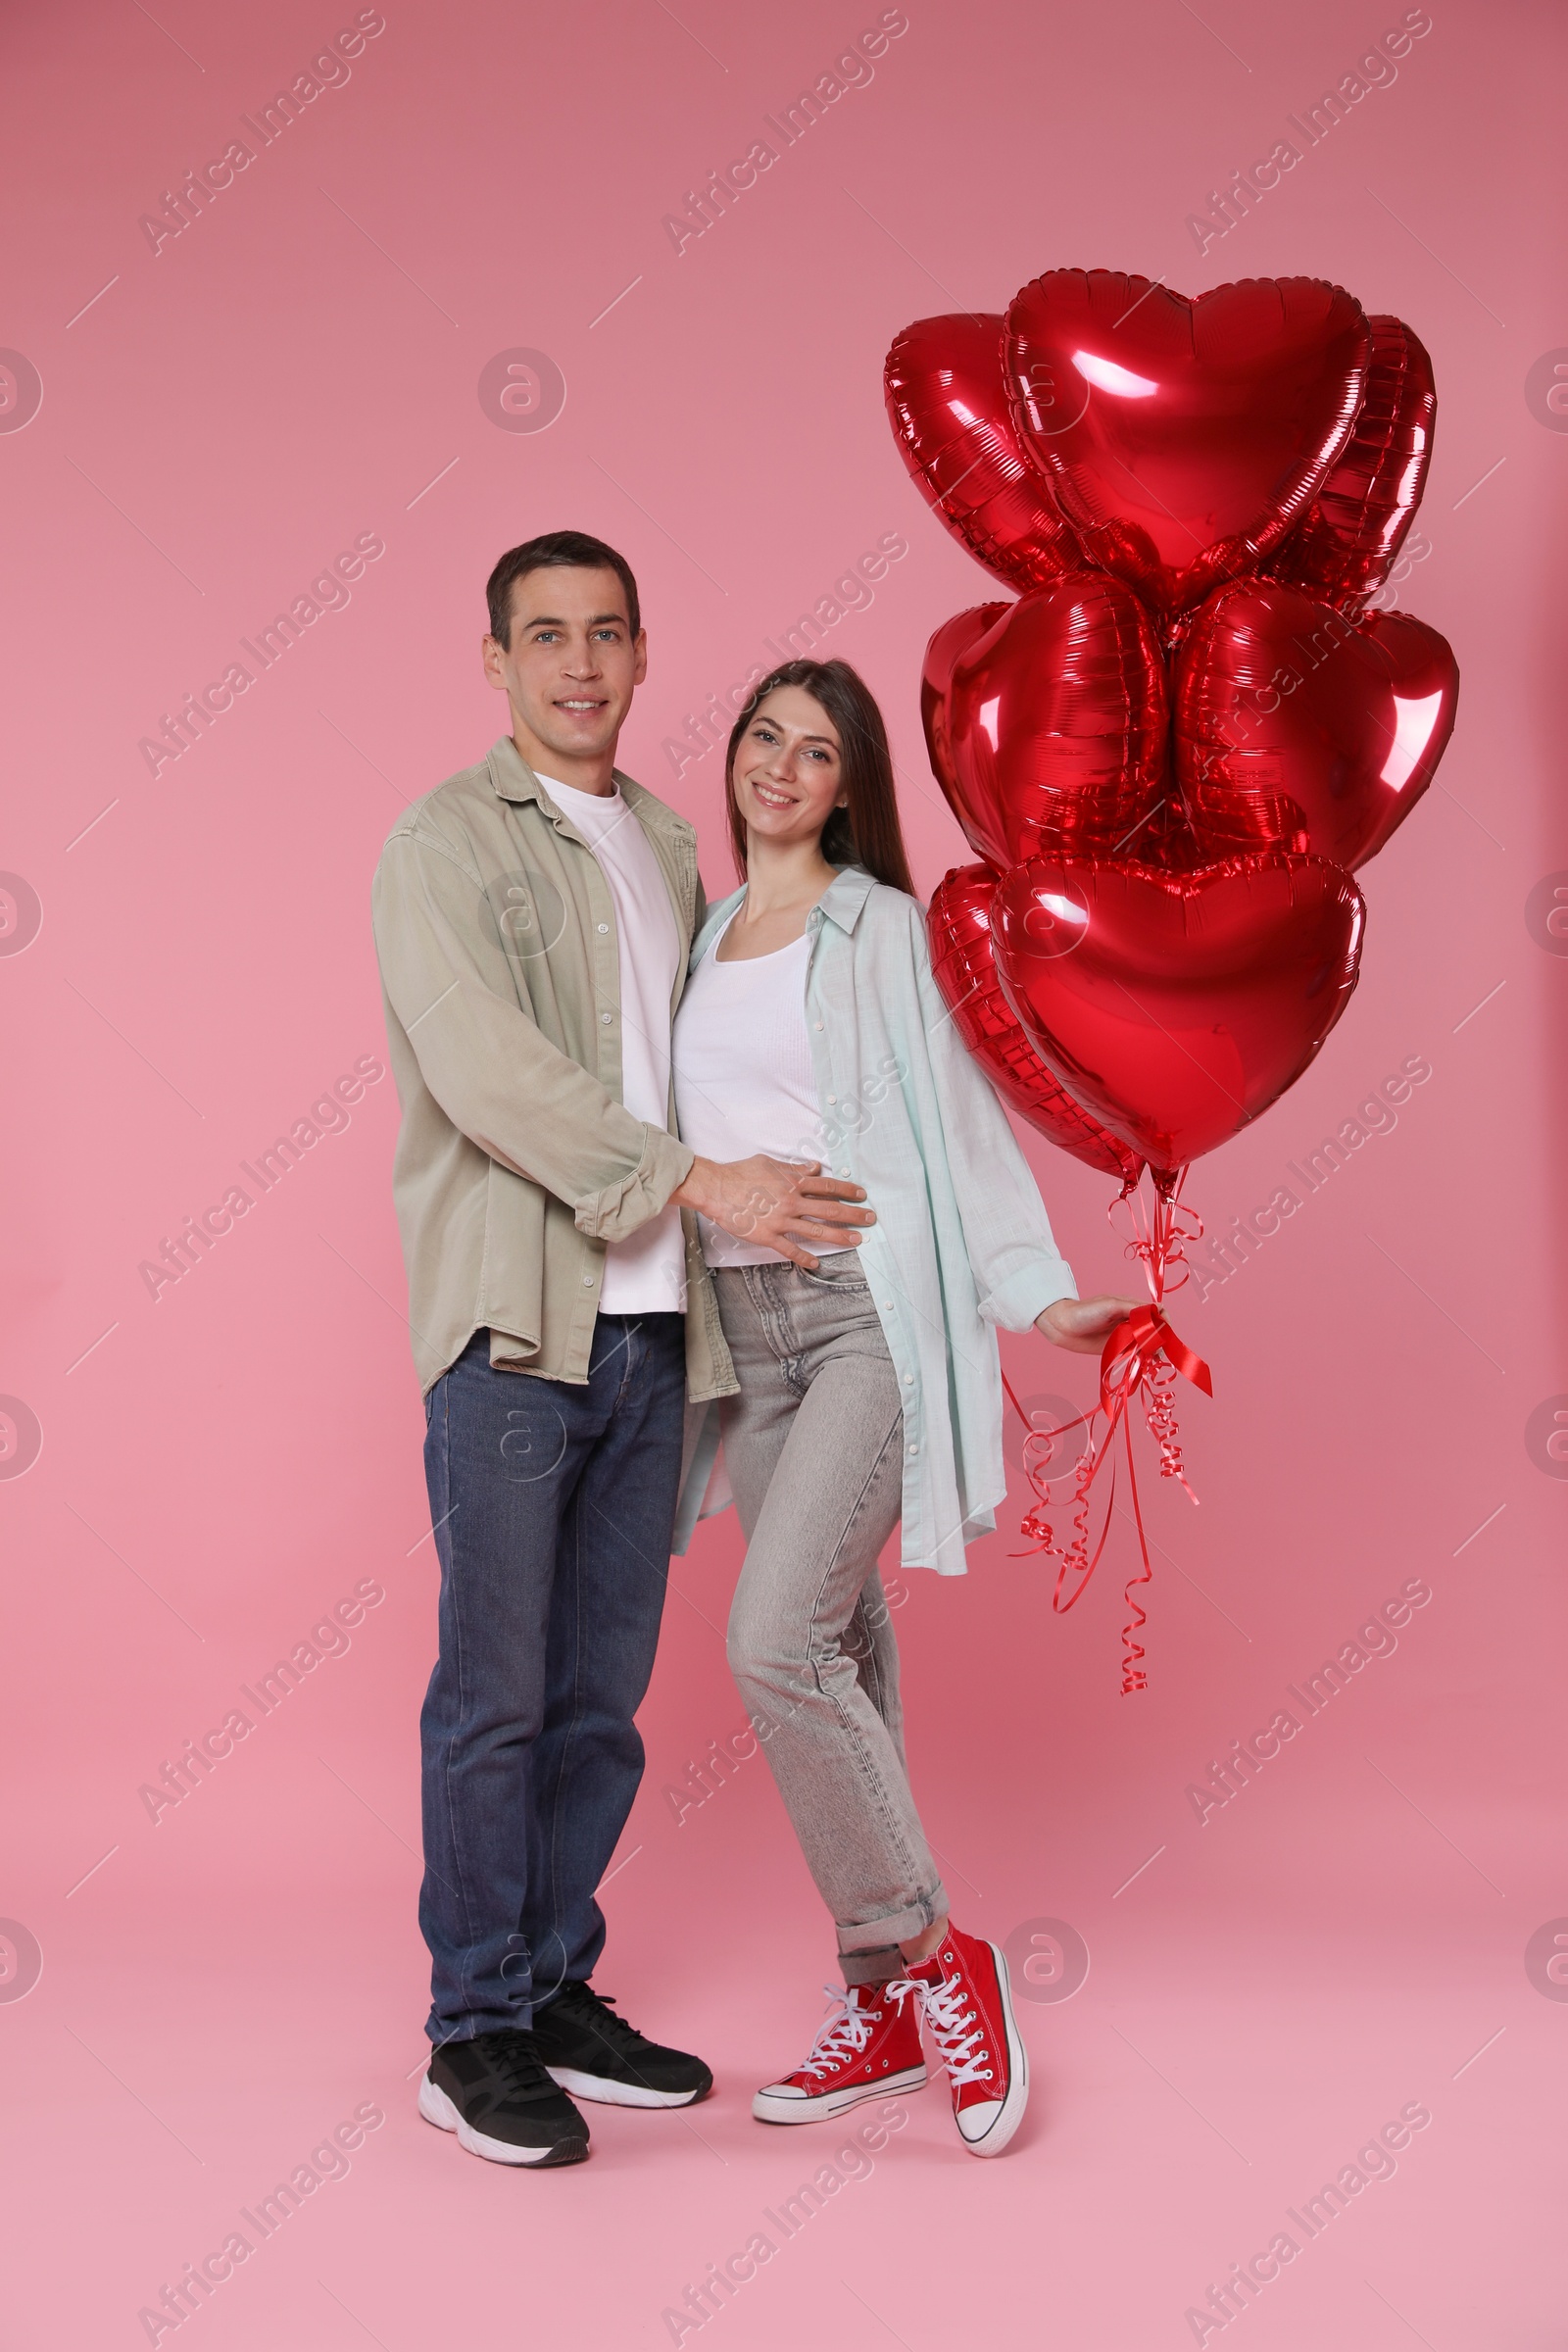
x=300, y=367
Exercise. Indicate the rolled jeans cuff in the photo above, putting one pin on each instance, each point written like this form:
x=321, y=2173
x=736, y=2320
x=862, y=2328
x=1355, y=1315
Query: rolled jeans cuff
x=869, y=1954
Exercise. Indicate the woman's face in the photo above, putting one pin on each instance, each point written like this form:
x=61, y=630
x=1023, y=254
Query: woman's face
x=788, y=768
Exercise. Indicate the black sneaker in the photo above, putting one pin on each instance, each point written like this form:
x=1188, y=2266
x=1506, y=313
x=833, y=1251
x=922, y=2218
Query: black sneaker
x=592, y=2051
x=495, y=2095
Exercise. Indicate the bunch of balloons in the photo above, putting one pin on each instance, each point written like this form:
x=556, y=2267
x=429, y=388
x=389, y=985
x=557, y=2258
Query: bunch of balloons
x=1172, y=750
x=1170, y=753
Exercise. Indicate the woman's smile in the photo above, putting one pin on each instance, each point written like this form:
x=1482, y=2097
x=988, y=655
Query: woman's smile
x=771, y=796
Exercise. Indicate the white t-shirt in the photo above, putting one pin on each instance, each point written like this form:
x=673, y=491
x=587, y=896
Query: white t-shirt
x=743, y=1076
x=645, y=1274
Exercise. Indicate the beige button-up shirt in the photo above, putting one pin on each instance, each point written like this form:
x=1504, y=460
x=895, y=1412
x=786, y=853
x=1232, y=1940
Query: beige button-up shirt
x=516, y=1161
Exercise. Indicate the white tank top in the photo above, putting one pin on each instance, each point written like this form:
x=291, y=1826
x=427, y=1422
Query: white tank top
x=744, y=1077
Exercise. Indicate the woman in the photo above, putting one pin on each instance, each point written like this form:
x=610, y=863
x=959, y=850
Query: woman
x=869, y=1380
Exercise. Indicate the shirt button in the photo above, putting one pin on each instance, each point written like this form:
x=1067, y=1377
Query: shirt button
x=908, y=1380
x=587, y=1282
x=606, y=1018
x=832, y=1099
x=887, y=1306
x=913, y=1449
x=604, y=926
x=819, y=1024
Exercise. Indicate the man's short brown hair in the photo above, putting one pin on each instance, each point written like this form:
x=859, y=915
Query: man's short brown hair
x=552, y=551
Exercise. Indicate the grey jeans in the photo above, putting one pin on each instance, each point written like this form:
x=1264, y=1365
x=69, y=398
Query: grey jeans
x=814, y=1446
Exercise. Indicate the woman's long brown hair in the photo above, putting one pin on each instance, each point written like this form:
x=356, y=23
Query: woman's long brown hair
x=866, y=831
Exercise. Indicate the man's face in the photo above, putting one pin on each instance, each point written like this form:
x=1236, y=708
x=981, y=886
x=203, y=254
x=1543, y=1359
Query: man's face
x=571, y=667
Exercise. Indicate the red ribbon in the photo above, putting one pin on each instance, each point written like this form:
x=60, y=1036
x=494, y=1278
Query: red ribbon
x=1142, y=1357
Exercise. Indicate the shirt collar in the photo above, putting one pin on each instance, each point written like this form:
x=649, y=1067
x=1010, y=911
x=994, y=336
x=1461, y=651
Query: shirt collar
x=512, y=779
x=843, y=899
x=510, y=776
x=841, y=903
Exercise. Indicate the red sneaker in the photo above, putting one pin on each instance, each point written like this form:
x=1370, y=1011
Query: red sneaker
x=968, y=2009
x=868, y=2046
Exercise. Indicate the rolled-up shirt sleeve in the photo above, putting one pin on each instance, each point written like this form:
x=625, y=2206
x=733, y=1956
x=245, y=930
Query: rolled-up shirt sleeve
x=1017, y=1267
x=522, y=1099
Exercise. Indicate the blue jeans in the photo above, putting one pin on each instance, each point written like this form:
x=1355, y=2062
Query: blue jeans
x=553, y=1506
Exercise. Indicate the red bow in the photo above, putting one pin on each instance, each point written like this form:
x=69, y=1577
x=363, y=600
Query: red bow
x=1142, y=1356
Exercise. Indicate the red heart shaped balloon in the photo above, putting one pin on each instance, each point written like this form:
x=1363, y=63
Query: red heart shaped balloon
x=1184, y=438
x=1046, y=720
x=1299, y=728
x=955, y=637
x=959, y=926
x=1178, y=1007
x=948, y=403
x=1346, y=547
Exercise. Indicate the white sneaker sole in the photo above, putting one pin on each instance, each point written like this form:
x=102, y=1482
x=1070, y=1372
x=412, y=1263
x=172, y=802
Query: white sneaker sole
x=436, y=2107
x=610, y=2093
x=770, y=2107
x=1009, y=2114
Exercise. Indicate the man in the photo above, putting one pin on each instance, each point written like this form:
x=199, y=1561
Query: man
x=533, y=917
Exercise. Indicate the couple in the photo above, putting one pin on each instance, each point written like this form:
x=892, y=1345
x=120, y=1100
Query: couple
x=665, y=1170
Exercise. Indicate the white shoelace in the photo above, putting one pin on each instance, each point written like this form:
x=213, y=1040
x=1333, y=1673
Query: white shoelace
x=844, y=2034
x=955, y=2029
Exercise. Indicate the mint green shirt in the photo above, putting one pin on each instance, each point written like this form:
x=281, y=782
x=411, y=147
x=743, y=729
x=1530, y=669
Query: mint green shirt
x=961, y=1242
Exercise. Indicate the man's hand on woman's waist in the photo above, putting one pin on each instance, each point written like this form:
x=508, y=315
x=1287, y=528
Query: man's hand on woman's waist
x=783, y=1204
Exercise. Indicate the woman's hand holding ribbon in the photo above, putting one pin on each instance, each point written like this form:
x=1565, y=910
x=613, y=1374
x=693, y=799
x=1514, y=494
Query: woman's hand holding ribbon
x=1084, y=1324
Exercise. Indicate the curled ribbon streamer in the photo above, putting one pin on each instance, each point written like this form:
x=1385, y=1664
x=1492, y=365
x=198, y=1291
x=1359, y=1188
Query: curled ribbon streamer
x=1161, y=1230
x=1142, y=1357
